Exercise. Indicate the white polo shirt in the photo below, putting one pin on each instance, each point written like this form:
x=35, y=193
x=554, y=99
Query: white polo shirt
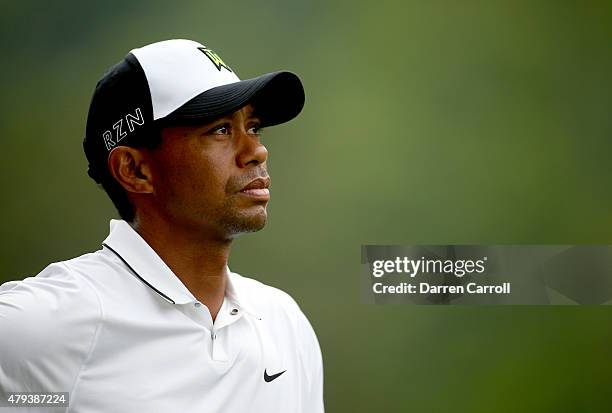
x=121, y=333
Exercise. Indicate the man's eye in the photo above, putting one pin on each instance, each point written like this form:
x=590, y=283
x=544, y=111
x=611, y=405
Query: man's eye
x=255, y=130
x=220, y=130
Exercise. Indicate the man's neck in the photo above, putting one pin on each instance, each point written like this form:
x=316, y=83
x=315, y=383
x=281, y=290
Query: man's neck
x=200, y=262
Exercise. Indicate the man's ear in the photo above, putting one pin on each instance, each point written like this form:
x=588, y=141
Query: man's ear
x=131, y=169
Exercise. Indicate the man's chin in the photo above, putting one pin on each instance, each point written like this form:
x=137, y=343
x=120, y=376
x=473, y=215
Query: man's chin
x=245, y=223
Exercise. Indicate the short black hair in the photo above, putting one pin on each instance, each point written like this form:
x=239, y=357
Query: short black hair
x=114, y=190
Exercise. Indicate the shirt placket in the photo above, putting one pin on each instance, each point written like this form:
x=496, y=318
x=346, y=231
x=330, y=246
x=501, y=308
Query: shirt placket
x=229, y=313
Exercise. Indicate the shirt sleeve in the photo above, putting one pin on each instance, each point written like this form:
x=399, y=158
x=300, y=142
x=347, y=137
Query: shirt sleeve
x=48, y=326
x=313, y=359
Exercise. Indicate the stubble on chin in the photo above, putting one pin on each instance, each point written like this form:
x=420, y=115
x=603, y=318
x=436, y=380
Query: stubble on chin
x=235, y=221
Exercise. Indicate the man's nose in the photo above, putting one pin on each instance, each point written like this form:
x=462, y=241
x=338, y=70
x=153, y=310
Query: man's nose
x=252, y=151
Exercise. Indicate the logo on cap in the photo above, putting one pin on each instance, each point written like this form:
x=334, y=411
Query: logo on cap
x=214, y=58
x=120, y=132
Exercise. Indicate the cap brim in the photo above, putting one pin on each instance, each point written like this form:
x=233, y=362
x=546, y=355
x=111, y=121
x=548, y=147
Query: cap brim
x=277, y=97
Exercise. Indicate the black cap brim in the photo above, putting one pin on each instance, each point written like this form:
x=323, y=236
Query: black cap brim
x=277, y=97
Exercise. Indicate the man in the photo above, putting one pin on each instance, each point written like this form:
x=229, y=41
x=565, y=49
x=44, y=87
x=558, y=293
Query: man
x=155, y=321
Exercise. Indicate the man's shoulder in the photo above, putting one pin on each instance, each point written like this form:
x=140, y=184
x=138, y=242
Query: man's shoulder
x=77, y=278
x=43, y=311
x=53, y=281
x=50, y=321
x=59, y=283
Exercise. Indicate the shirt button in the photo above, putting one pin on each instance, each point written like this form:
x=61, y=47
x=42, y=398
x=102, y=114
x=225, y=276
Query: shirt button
x=213, y=335
x=234, y=311
x=197, y=304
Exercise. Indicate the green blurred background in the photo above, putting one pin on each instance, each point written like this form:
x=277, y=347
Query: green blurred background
x=429, y=122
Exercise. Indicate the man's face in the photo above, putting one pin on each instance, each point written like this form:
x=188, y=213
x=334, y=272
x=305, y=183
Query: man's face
x=213, y=178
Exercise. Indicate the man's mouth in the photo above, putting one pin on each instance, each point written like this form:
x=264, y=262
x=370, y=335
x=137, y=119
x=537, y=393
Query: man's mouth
x=257, y=188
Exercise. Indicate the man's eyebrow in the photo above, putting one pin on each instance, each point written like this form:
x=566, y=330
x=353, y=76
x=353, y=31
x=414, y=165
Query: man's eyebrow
x=218, y=121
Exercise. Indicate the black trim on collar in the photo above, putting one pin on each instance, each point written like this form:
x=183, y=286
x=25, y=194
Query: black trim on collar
x=137, y=275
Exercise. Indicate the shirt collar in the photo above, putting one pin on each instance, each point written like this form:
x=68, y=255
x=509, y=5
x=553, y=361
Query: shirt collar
x=144, y=262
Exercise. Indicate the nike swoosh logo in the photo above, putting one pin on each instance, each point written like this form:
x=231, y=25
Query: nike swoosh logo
x=268, y=379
